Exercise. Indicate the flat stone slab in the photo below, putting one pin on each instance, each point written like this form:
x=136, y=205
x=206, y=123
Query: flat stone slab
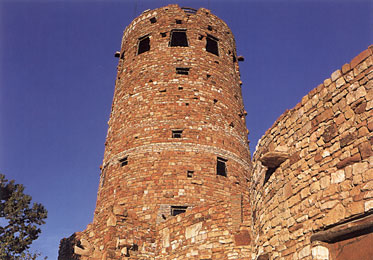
x=274, y=159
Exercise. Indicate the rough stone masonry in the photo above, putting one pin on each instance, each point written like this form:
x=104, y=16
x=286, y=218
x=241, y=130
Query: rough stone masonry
x=177, y=180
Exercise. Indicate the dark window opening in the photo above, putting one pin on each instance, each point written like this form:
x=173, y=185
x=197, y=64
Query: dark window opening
x=269, y=173
x=177, y=133
x=190, y=174
x=234, y=58
x=176, y=210
x=178, y=21
x=178, y=38
x=153, y=20
x=187, y=104
x=180, y=88
x=163, y=34
x=200, y=37
x=212, y=45
x=208, y=75
x=122, y=56
x=221, y=168
x=209, y=28
x=215, y=101
x=231, y=124
x=163, y=90
x=123, y=161
x=182, y=71
x=144, y=45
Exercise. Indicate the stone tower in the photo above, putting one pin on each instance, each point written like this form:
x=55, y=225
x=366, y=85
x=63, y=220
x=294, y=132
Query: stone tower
x=177, y=181
x=176, y=160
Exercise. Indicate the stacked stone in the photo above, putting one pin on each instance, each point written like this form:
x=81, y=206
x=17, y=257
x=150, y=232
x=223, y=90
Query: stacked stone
x=205, y=232
x=313, y=169
x=177, y=140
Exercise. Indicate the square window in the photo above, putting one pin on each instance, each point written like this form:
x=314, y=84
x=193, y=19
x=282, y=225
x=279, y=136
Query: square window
x=221, y=168
x=153, y=20
x=182, y=71
x=212, y=45
x=144, y=45
x=123, y=161
x=176, y=210
x=178, y=38
x=177, y=133
x=190, y=174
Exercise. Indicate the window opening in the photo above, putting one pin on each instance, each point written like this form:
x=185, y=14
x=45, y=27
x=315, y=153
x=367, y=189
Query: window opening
x=123, y=161
x=144, y=45
x=163, y=34
x=209, y=28
x=182, y=71
x=269, y=173
x=212, y=45
x=176, y=210
x=190, y=174
x=122, y=56
x=177, y=133
x=200, y=37
x=180, y=88
x=221, y=168
x=178, y=21
x=178, y=38
x=153, y=20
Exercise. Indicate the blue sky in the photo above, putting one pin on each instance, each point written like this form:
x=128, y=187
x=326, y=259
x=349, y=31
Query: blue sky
x=57, y=75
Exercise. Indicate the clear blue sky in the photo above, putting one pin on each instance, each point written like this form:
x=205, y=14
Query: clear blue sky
x=57, y=74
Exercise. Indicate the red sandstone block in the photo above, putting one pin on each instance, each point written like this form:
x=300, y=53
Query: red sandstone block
x=359, y=58
x=346, y=68
x=348, y=161
x=365, y=150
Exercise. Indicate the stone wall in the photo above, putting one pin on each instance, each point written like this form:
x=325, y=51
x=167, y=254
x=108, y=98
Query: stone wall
x=313, y=169
x=206, y=232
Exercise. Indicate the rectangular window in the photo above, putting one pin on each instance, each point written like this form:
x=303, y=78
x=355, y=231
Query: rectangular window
x=212, y=45
x=123, y=161
x=176, y=210
x=144, y=44
x=177, y=133
x=178, y=38
x=182, y=71
x=190, y=174
x=221, y=168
